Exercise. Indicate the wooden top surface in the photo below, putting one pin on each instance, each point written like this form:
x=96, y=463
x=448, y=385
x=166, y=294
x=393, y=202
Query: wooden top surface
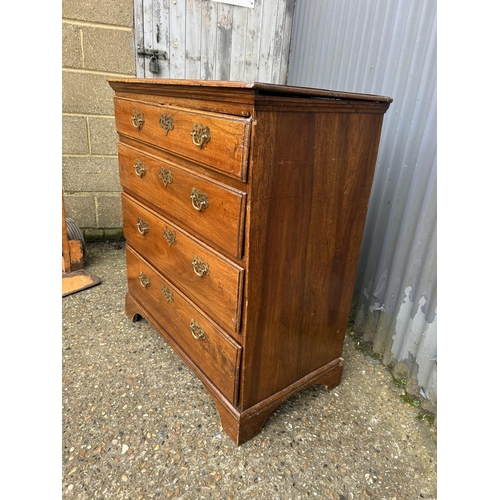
x=256, y=88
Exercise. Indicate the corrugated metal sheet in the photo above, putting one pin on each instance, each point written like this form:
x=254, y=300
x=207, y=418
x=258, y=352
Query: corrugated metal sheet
x=387, y=47
x=215, y=41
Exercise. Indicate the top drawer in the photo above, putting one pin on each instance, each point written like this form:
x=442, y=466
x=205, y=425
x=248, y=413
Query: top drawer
x=219, y=142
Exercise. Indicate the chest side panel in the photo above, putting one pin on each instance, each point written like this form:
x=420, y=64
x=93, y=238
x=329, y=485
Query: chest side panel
x=311, y=179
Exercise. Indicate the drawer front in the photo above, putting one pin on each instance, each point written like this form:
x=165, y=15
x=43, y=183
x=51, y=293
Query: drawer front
x=213, y=352
x=211, y=281
x=219, y=142
x=212, y=211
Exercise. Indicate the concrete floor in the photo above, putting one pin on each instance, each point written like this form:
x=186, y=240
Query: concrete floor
x=137, y=424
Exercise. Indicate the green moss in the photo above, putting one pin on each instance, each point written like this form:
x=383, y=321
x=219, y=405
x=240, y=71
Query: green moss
x=367, y=348
x=416, y=402
x=427, y=416
x=412, y=400
x=92, y=235
x=399, y=382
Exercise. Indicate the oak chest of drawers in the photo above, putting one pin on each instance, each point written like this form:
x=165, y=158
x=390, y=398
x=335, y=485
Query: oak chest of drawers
x=243, y=211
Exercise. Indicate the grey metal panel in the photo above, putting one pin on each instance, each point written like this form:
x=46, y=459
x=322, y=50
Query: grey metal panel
x=215, y=41
x=387, y=47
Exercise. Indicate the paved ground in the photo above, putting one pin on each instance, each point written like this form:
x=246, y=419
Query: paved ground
x=137, y=424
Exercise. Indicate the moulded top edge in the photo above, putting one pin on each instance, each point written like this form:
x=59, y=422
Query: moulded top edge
x=258, y=88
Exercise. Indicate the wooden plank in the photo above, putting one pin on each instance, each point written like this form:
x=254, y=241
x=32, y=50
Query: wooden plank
x=224, y=41
x=178, y=39
x=76, y=254
x=160, y=35
x=66, y=255
x=239, y=36
x=134, y=85
x=285, y=34
x=77, y=281
x=268, y=40
x=148, y=34
x=252, y=42
x=208, y=40
x=193, y=38
x=139, y=36
x=72, y=250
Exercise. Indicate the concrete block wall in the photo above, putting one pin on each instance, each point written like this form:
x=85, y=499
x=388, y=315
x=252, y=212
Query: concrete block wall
x=97, y=43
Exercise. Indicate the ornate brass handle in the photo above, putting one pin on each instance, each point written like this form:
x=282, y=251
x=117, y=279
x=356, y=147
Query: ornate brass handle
x=199, y=200
x=137, y=119
x=144, y=280
x=166, y=176
x=169, y=296
x=140, y=168
x=169, y=236
x=142, y=226
x=167, y=123
x=200, y=134
x=196, y=330
x=200, y=267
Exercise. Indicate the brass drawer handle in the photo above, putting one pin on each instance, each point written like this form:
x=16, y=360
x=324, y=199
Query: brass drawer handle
x=166, y=176
x=137, y=119
x=142, y=226
x=169, y=236
x=166, y=123
x=169, y=296
x=196, y=330
x=200, y=267
x=140, y=168
x=200, y=134
x=199, y=200
x=144, y=280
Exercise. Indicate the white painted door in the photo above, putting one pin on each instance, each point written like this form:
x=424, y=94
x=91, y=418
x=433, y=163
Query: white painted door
x=211, y=40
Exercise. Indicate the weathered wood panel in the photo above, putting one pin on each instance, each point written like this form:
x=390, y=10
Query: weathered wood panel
x=208, y=40
x=215, y=41
x=177, y=37
x=238, y=53
x=193, y=38
x=139, y=9
x=252, y=41
x=161, y=32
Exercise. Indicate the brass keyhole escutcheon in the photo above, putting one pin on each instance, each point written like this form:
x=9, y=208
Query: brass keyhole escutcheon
x=200, y=134
x=169, y=236
x=169, y=296
x=137, y=119
x=166, y=176
x=166, y=122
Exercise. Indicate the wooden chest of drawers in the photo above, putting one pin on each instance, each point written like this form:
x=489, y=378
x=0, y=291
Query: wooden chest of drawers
x=243, y=209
